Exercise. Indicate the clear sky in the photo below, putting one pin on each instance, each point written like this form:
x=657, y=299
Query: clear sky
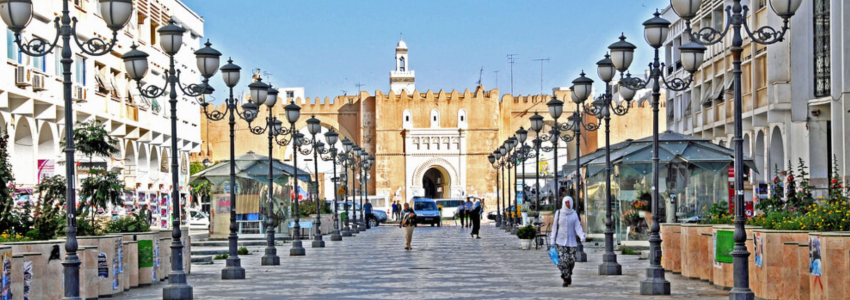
x=329, y=46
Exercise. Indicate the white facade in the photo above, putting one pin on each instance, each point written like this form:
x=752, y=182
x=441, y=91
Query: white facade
x=784, y=117
x=403, y=78
x=32, y=107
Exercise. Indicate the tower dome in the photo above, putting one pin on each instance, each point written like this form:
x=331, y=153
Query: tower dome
x=401, y=45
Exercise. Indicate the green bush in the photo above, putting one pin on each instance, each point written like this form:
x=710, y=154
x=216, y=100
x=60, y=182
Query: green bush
x=307, y=208
x=242, y=251
x=135, y=223
x=718, y=213
x=221, y=256
x=526, y=233
x=629, y=251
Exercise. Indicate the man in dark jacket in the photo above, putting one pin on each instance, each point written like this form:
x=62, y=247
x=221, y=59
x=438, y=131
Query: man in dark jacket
x=368, y=211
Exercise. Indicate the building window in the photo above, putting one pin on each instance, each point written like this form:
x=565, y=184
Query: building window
x=57, y=61
x=11, y=47
x=80, y=70
x=822, y=51
x=461, y=119
x=435, y=119
x=38, y=63
x=290, y=95
x=401, y=63
x=407, y=123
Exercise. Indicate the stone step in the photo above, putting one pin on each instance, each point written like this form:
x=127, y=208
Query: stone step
x=208, y=251
x=202, y=259
x=225, y=243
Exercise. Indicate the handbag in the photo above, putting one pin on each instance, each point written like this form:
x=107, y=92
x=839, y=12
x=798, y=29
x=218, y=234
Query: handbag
x=553, y=253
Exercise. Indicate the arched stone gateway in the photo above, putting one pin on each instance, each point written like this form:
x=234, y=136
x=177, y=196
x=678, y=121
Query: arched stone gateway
x=436, y=178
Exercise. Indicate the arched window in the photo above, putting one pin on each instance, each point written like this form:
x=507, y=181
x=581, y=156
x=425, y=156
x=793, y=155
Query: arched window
x=407, y=121
x=462, y=121
x=435, y=118
x=401, y=64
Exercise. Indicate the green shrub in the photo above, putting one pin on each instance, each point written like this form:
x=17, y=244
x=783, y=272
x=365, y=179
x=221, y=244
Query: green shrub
x=526, y=233
x=307, y=208
x=718, y=213
x=221, y=256
x=242, y=251
x=135, y=223
x=629, y=251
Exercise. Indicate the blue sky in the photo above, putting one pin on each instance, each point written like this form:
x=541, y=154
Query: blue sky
x=330, y=46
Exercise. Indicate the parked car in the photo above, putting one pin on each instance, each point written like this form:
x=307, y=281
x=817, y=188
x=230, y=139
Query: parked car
x=449, y=207
x=378, y=217
x=426, y=211
x=199, y=222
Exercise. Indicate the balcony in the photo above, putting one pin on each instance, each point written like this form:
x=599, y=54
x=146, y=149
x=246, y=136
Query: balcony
x=761, y=98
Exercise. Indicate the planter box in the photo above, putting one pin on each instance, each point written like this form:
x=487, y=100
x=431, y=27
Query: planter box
x=44, y=271
x=110, y=251
x=722, y=274
x=775, y=278
x=671, y=247
x=692, y=243
x=164, y=254
x=834, y=282
x=148, y=249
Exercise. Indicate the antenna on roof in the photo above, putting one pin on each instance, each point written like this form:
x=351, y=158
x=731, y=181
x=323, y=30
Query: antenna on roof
x=359, y=85
x=541, y=60
x=480, y=74
x=512, y=60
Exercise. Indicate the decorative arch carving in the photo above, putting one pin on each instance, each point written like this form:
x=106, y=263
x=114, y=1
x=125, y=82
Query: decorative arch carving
x=435, y=162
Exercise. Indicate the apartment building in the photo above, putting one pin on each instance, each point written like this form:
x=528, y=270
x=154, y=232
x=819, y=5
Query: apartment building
x=32, y=105
x=792, y=90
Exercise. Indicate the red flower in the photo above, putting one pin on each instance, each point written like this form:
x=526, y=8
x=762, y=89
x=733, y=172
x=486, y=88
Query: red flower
x=834, y=181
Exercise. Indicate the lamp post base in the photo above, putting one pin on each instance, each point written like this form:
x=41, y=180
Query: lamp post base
x=297, y=249
x=498, y=222
x=318, y=242
x=177, y=288
x=610, y=266
x=655, y=284
x=233, y=270
x=744, y=294
x=346, y=231
x=271, y=258
x=354, y=229
x=335, y=237
x=580, y=255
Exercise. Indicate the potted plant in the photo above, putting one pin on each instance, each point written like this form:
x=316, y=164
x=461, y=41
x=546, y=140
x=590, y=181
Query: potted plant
x=525, y=235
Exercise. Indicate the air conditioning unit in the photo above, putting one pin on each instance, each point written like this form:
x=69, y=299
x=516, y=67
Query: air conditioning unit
x=38, y=82
x=79, y=94
x=22, y=76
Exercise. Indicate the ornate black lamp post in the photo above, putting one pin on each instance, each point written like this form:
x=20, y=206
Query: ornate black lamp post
x=354, y=165
x=575, y=123
x=503, y=151
x=365, y=165
x=332, y=137
x=171, y=40
x=537, y=126
x=622, y=54
x=346, y=162
x=655, y=32
x=493, y=158
x=17, y=14
x=602, y=108
x=510, y=144
x=293, y=113
x=314, y=126
x=274, y=128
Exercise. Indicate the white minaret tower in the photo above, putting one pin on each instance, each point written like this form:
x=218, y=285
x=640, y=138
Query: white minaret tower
x=403, y=78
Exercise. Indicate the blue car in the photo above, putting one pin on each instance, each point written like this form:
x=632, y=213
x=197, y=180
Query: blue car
x=426, y=211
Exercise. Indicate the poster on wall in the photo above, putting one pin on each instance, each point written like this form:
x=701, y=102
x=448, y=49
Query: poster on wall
x=815, y=264
x=155, y=258
x=102, y=266
x=46, y=168
x=714, y=250
x=120, y=246
x=163, y=212
x=145, y=253
x=115, y=260
x=725, y=245
x=222, y=204
x=758, y=244
x=27, y=279
x=6, y=275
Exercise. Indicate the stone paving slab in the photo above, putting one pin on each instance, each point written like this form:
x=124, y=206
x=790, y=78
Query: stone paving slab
x=445, y=263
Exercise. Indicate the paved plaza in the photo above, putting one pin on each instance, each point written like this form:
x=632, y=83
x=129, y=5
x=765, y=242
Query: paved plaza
x=445, y=264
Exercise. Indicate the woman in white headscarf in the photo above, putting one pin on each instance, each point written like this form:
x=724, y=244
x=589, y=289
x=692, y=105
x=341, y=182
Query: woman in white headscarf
x=565, y=231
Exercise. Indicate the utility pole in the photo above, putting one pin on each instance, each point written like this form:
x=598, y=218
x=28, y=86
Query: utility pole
x=541, y=60
x=512, y=60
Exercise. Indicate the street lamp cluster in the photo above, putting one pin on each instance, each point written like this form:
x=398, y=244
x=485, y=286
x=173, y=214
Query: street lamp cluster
x=17, y=14
x=692, y=57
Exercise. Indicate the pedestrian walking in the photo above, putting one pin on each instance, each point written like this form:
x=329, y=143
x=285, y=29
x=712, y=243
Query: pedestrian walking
x=468, y=207
x=567, y=228
x=408, y=222
x=394, y=209
x=368, y=211
x=461, y=213
x=475, y=218
x=398, y=211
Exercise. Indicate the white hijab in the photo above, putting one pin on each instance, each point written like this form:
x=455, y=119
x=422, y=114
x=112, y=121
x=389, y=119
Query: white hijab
x=564, y=211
